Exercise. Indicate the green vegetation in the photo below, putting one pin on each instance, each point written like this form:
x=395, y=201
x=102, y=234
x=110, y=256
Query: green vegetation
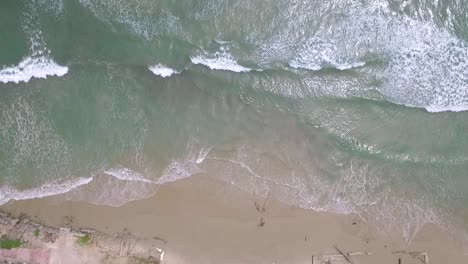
x=85, y=240
x=7, y=243
x=37, y=232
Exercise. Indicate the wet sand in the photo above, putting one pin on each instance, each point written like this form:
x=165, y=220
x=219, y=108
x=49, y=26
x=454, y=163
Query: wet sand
x=202, y=220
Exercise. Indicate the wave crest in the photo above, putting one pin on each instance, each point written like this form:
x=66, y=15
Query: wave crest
x=162, y=70
x=221, y=60
x=32, y=67
x=8, y=192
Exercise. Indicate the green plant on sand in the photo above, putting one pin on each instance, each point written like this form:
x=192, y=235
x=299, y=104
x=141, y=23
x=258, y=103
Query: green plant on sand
x=7, y=243
x=37, y=232
x=85, y=240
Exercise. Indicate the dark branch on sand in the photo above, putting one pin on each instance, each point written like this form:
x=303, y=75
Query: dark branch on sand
x=264, y=203
x=262, y=222
x=343, y=254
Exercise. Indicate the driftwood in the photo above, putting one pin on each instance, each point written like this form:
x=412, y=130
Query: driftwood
x=261, y=223
x=264, y=202
x=357, y=253
x=122, y=244
x=343, y=254
x=263, y=208
x=418, y=254
x=415, y=254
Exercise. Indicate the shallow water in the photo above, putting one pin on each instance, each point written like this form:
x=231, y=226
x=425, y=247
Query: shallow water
x=342, y=106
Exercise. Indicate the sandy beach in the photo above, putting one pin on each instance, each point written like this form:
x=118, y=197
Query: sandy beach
x=202, y=220
x=233, y=131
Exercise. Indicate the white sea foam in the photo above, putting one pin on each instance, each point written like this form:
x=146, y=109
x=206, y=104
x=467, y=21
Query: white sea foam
x=418, y=62
x=347, y=66
x=455, y=108
x=427, y=64
x=55, y=6
x=428, y=68
x=220, y=63
x=315, y=67
x=162, y=70
x=357, y=190
x=317, y=53
x=32, y=67
x=202, y=155
x=115, y=187
x=120, y=185
x=221, y=60
x=178, y=170
x=126, y=174
x=143, y=17
x=184, y=167
x=125, y=184
x=222, y=42
x=8, y=193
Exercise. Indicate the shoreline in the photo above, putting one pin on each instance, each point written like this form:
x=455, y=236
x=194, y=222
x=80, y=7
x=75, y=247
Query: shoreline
x=202, y=220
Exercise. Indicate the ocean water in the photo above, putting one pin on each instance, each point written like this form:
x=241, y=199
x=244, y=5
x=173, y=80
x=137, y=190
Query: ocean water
x=340, y=106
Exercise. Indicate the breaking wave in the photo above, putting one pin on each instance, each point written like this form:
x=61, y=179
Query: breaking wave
x=38, y=64
x=163, y=71
x=32, y=67
x=8, y=193
x=221, y=60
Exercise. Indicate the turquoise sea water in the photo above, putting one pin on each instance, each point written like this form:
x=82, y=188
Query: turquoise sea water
x=340, y=106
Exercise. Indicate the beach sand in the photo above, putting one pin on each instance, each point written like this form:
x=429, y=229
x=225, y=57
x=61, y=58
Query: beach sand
x=203, y=220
